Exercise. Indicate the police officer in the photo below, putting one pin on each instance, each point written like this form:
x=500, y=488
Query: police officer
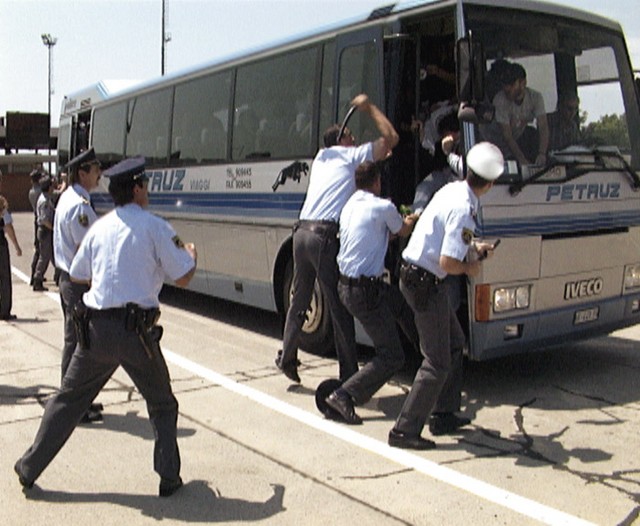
x=6, y=227
x=74, y=215
x=315, y=237
x=34, y=194
x=366, y=223
x=438, y=247
x=45, y=211
x=125, y=257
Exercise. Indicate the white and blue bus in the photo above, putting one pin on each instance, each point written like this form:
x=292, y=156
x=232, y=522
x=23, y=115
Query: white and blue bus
x=229, y=146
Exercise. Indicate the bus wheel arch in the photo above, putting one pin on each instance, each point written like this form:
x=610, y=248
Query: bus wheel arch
x=317, y=332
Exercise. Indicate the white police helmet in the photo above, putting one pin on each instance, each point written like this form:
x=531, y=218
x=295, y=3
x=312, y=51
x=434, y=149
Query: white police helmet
x=486, y=161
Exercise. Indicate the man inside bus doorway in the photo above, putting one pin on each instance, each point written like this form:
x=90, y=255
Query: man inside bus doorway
x=315, y=237
x=438, y=247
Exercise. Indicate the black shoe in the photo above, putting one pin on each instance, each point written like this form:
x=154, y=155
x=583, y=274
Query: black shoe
x=344, y=406
x=169, y=486
x=39, y=287
x=91, y=416
x=24, y=481
x=289, y=369
x=405, y=441
x=444, y=423
x=8, y=317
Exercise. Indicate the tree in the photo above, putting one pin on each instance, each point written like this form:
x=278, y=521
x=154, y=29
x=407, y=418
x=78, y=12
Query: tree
x=610, y=130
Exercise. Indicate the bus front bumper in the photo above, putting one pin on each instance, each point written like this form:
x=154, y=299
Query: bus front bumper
x=537, y=331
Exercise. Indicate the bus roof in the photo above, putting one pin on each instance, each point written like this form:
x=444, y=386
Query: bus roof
x=389, y=11
x=90, y=95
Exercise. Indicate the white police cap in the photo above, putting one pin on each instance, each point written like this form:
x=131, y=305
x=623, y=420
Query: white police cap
x=486, y=161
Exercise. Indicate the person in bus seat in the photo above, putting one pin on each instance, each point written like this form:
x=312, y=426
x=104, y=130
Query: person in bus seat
x=315, y=237
x=245, y=133
x=366, y=223
x=439, y=246
x=564, y=127
x=213, y=140
x=516, y=109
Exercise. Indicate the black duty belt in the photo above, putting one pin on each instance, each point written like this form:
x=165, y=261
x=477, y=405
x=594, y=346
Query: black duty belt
x=318, y=227
x=361, y=281
x=419, y=273
x=116, y=313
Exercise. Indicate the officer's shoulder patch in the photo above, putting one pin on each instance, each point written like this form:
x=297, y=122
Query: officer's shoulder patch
x=467, y=236
x=177, y=241
x=83, y=219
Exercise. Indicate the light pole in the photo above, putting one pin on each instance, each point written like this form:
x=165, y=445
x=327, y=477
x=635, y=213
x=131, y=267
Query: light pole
x=49, y=41
x=166, y=37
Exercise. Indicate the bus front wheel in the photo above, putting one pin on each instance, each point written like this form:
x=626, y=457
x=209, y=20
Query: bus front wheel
x=317, y=333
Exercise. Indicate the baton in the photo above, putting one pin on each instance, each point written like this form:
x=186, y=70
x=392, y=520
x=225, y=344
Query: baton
x=351, y=111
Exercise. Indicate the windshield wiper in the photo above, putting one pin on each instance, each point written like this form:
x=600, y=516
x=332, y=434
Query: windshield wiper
x=576, y=167
x=516, y=188
x=615, y=154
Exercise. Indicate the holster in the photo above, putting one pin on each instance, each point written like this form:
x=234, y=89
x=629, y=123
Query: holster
x=421, y=283
x=81, y=316
x=415, y=278
x=144, y=323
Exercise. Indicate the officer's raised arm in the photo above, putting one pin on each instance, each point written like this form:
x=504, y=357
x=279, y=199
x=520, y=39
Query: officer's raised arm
x=389, y=136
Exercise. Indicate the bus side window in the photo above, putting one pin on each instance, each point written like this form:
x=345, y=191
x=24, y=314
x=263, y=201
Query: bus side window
x=213, y=140
x=263, y=116
x=245, y=133
x=198, y=133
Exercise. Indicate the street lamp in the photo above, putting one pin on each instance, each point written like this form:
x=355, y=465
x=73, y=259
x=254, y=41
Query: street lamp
x=49, y=41
x=166, y=37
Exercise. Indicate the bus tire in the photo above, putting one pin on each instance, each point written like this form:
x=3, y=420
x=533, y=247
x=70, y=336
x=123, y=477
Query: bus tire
x=317, y=332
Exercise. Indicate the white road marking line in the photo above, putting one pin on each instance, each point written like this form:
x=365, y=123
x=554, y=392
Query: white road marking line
x=488, y=492
x=53, y=295
x=484, y=490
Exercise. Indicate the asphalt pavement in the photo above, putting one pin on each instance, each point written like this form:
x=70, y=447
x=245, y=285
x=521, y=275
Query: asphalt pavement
x=554, y=437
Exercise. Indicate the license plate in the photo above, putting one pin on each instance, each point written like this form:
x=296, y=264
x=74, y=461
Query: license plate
x=587, y=315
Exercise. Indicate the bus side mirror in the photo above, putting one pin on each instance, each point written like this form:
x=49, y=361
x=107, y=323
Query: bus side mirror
x=470, y=82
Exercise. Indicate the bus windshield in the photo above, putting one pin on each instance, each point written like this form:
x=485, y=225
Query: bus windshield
x=579, y=72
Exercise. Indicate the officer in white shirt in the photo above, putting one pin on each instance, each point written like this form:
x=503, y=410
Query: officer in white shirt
x=6, y=227
x=125, y=257
x=315, y=237
x=366, y=223
x=74, y=215
x=45, y=210
x=438, y=247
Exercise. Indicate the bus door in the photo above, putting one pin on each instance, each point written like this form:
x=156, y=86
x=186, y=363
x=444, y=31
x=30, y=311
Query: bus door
x=73, y=136
x=368, y=63
x=358, y=69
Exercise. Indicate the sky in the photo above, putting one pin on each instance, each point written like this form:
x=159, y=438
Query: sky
x=121, y=39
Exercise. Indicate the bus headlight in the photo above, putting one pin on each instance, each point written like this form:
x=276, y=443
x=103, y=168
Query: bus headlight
x=511, y=298
x=632, y=276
